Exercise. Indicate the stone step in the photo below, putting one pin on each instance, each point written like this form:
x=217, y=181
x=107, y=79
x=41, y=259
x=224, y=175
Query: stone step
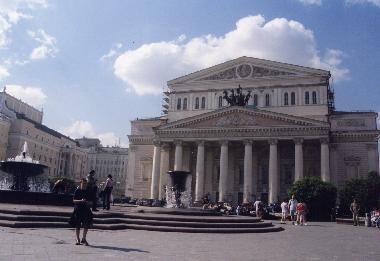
x=159, y=217
x=142, y=221
x=142, y=227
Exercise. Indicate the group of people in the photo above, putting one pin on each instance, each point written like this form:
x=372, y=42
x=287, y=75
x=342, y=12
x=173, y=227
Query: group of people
x=297, y=211
x=85, y=198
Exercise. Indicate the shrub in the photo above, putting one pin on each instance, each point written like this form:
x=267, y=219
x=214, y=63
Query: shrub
x=365, y=190
x=319, y=196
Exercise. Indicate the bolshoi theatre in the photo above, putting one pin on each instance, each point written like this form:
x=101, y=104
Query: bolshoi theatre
x=285, y=128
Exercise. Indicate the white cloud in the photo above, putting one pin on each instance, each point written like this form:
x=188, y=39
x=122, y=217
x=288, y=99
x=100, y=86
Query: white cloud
x=11, y=11
x=31, y=95
x=3, y=72
x=47, y=45
x=148, y=68
x=111, y=53
x=311, y=2
x=374, y=2
x=81, y=128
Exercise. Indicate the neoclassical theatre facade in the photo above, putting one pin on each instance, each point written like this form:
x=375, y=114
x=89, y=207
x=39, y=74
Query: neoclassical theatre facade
x=289, y=129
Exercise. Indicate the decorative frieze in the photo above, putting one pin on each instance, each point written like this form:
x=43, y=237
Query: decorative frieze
x=351, y=123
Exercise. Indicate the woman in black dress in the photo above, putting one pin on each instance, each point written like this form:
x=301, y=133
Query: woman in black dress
x=82, y=215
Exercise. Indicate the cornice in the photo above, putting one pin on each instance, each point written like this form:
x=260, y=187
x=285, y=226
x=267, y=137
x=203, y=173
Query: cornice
x=356, y=136
x=255, y=112
x=244, y=132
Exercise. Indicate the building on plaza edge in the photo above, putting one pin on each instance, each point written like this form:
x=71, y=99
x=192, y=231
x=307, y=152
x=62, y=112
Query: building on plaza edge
x=288, y=130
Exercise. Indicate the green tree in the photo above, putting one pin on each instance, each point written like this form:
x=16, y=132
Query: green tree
x=365, y=190
x=319, y=196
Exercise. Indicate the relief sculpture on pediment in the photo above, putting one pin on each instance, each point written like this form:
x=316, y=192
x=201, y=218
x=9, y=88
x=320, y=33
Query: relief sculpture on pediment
x=224, y=75
x=236, y=121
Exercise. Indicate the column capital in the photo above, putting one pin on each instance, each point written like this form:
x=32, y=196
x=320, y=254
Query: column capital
x=132, y=148
x=178, y=142
x=223, y=142
x=273, y=141
x=200, y=142
x=165, y=146
x=324, y=140
x=298, y=141
x=157, y=143
x=248, y=142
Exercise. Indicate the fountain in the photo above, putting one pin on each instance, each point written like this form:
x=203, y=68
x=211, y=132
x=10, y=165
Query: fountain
x=21, y=168
x=176, y=195
x=22, y=184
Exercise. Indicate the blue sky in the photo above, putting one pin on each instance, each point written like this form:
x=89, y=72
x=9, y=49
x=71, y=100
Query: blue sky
x=95, y=65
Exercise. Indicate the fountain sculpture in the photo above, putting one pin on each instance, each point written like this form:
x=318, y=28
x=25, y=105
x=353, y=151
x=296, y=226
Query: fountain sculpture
x=176, y=195
x=21, y=168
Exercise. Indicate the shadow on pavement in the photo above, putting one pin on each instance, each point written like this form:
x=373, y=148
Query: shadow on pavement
x=120, y=249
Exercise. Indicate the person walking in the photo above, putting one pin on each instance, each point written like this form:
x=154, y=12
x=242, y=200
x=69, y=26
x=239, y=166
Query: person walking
x=82, y=215
x=92, y=189
x=284, y=211
x=292, y=205
x=355, y=208
x=107, y=192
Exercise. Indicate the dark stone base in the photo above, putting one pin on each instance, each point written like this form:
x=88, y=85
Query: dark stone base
x=35, y=198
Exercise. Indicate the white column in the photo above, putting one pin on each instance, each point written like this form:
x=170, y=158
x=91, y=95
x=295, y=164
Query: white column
x=325, y=160
x=223, y=178
x=298, y=159
x=255, y=171
x=130, y=180
x=209, y=169
x=164, y=168
x=373, y=157
x=247, y=193
x=178, y=155
x=273, y=172
x=200, y=172
x=154, y=189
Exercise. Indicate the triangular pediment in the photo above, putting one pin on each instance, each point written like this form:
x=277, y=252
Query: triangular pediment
x=242, y=117
x=247, y=68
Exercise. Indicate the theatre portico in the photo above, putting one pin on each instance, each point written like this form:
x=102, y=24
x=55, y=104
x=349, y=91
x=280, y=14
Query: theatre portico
x=288, y=129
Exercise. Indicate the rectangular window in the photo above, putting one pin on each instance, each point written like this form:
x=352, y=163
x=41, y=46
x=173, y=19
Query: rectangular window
x=307, y=98
x=179, y=104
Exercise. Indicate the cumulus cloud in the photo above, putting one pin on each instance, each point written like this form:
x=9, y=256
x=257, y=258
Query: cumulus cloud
x=148, y=68
x=82, y=128
x=47, y=45
x=112, y=52
x=311, y=2
x=373, y=2
x=3, y=72
x=11, y=11
x=31, y=95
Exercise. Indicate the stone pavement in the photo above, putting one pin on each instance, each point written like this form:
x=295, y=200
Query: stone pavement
x=317, y=241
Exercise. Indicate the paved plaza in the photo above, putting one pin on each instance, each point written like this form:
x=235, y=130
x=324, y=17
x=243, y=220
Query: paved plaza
x=317, y=241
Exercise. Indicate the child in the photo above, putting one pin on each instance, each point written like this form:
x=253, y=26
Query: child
x=284, y=211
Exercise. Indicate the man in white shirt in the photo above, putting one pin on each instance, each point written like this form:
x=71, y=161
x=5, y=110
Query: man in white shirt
x=292, y=205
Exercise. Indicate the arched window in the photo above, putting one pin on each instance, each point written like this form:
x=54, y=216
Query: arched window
x=286, y=99
x=179, y=104
x=293, y=98
x=197, y=103
x=220, y=101
x=267, y=99
x=185, y=103
x=307, y=98
x=203, y=104
x=255, y=100
x=314, y=97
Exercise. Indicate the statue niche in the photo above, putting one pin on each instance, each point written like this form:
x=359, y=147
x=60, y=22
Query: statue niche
x=238, y=99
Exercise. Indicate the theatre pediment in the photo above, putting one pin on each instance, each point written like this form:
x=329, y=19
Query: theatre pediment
x=248, y=68
x=241, y=117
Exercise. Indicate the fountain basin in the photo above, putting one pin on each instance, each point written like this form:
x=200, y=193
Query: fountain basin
x=35, y=198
